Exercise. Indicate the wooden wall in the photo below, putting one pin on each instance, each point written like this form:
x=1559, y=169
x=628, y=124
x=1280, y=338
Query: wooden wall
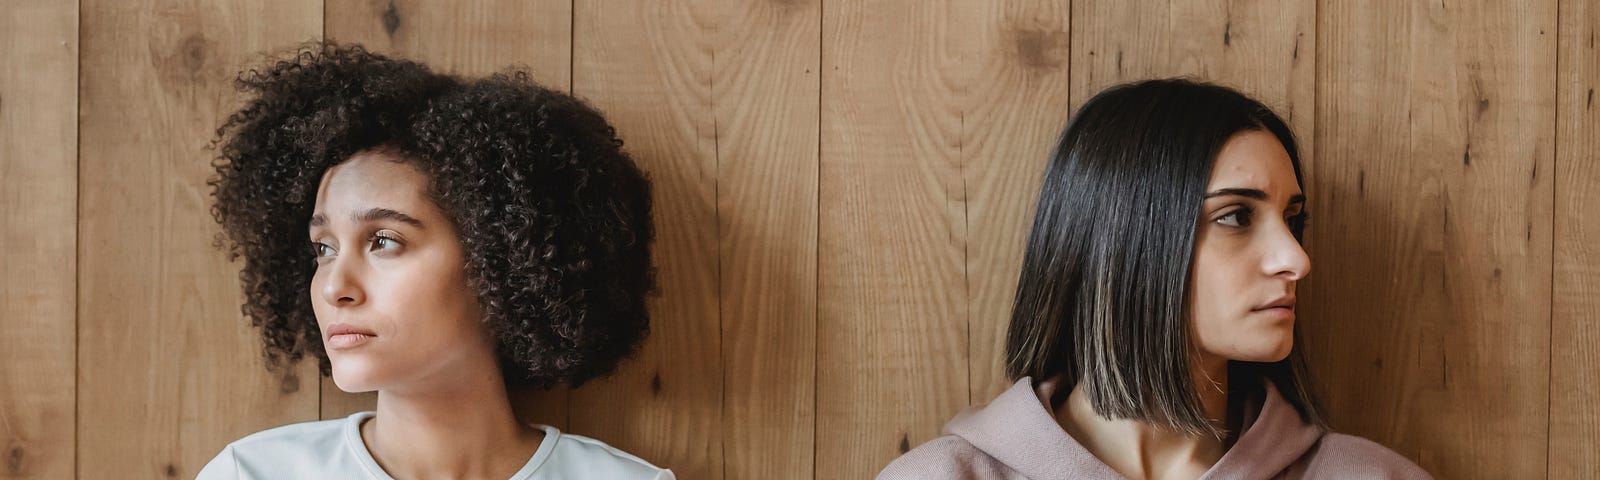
x=844, y=187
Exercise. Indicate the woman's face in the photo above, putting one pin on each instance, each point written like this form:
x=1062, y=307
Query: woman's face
x=390, y=292
x=1247, y=259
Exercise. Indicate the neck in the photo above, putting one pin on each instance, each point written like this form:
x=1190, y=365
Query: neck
x=1137, y=449
x=462, y=429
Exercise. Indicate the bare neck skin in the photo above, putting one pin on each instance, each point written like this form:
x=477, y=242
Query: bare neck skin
x=461, y=427
x=1139, y=450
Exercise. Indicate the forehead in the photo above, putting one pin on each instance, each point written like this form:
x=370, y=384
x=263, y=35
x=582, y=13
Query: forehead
x=1255, y=159
x=372, y=179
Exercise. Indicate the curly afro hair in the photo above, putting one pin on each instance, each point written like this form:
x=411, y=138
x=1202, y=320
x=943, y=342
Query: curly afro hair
x=553, y=214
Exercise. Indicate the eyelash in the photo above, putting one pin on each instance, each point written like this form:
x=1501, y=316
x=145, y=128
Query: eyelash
x=1297, y=222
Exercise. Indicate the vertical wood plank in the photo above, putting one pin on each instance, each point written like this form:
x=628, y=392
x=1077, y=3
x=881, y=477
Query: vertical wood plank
x=1265, y=49
x=648, y=66
x=1433, y=196
x=169, y=371
x=38, y=235
x=1014, y=107
x=470, y=38
x=1575, y=346
x=891, y=296
x=765, y=80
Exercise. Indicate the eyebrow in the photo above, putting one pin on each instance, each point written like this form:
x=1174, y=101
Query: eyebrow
x=1251, y=193
x=372, y=215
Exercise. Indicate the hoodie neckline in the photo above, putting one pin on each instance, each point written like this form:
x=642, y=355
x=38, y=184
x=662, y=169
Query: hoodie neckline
x=1017, y=429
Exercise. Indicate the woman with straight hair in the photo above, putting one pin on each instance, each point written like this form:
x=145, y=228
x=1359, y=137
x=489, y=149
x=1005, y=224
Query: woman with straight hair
x=1154, y=331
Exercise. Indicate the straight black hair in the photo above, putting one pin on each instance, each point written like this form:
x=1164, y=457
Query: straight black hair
x=1101, y=301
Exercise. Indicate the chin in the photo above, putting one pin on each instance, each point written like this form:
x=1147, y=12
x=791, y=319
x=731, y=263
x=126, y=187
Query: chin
x=1278, y=356
x=353, y=378
x=1267, y=351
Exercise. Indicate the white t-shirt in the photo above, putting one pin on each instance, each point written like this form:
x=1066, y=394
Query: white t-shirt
x=333, y=449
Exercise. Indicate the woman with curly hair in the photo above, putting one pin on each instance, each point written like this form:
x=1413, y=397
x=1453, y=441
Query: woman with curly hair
x=437, y=240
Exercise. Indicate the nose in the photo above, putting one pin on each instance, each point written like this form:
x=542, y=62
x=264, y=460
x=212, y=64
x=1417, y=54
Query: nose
x=1286, y=258
x=341, y=285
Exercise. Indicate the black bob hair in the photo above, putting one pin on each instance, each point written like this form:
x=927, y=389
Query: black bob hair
x=553, y=215
x=1101, y=297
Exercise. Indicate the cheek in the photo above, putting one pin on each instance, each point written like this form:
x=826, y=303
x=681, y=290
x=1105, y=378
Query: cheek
x=1220, y=308
x=1216, y=304
x=1219, y=278
x=430, y=300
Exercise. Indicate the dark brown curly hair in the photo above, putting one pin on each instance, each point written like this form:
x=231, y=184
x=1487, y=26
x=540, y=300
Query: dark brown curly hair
x=552, y=213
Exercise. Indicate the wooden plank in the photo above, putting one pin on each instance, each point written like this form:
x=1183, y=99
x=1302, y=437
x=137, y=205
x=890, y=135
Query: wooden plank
x=1428, y=312
x=38, y=233
x=168, y=369
x=765, y=79
x=648, y=66
x=1265, y=49
x=471, y=38
x=1575, y=346
x=891, y=296
x=1015, y=106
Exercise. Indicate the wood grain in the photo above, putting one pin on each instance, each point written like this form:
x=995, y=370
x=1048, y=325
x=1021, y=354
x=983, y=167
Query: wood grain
x=1013, y=109
x=38, y=235
x=1265, y=49
x=469, y=37
x=168, y=370
x=472, y=38
x=1430, y=324
x=648, y=66
x=843, y=189
x=1575, y=346
x=765, y=76
x=891, y=296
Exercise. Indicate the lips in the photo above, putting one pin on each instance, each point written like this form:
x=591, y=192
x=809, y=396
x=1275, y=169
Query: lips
x=1279, y=309
x=344, y=336
x=1285, y=302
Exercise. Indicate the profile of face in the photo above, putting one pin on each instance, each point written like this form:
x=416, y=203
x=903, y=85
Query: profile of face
x=1247, y=260
x=390, y=292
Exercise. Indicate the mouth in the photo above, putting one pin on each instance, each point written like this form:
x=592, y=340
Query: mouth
x=1284, y=302
x=342, y=336
x=1281, y=308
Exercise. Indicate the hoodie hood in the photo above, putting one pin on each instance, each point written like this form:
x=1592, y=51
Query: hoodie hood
x=1018, y=430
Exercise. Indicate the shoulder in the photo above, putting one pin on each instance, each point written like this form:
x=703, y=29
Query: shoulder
x=947, y=456
x=577, y=456
x=271, y=451
x=319, y=438
x=1349, y=456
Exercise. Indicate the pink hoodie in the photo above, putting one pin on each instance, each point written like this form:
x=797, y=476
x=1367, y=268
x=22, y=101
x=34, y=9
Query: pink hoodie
x=1016, y=437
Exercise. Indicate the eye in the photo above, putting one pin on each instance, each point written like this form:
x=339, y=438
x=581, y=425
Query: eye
x=1298, y=222
x=1238, y=218
x=382, y=241
x=321, y=249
